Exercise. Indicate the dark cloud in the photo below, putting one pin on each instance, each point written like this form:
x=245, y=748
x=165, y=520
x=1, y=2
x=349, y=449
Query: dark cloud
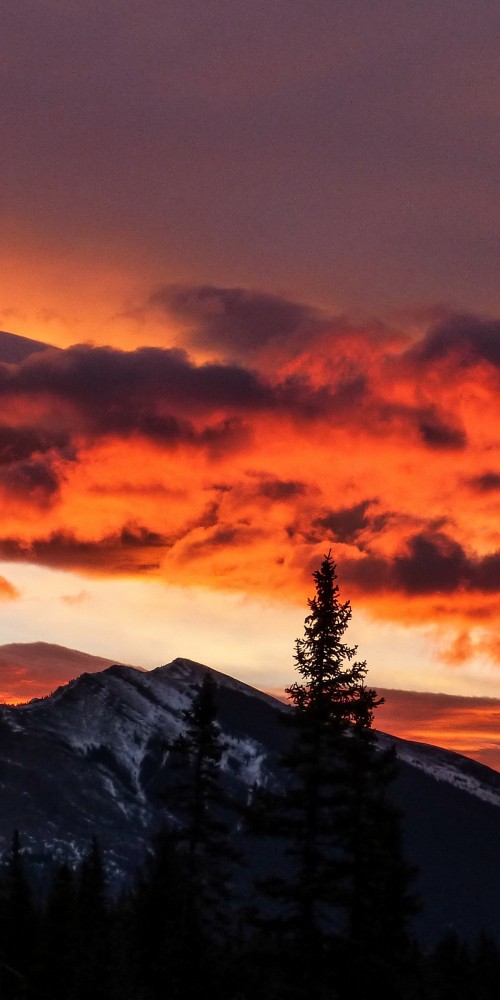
x=128, y=550
x=467, y=339
x=237, y=320
x=136, y=536
x=20, y=443
x=34, y=479
x=486, y=576
x=281, y=490
x=209, y=517
x=432, y=563
x=488, y=482
x=158, y=394
x=439, y=435
x=28, y=462
x=224, y=536
x=226, y=435
x=108, y=381
x=346, y=400
x=134, y=548
x=434, y=428
x=345, y=523
x=370, y=574
x=162, y=395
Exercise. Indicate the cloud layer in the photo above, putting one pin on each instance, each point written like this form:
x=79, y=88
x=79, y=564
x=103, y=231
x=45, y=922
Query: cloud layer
x=469, y=726
x=376, y=442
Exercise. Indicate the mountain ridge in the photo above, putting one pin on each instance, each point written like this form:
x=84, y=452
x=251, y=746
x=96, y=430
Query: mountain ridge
x=15, y=348
x=182, y=670
x=90, y=759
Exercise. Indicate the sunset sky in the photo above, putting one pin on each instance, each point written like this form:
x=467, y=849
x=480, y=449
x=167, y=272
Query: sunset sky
x=252, y=252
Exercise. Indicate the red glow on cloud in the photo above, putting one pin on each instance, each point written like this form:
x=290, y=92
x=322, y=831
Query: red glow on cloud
x=231, y=474
x=34, y=670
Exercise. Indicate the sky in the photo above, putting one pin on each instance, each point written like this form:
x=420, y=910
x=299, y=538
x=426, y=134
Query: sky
x=249, y=288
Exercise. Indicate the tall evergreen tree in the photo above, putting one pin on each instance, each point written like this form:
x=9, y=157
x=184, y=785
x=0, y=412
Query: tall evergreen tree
x=204, y=834
x=181, y=912
x=340, y=831
x=379, y=901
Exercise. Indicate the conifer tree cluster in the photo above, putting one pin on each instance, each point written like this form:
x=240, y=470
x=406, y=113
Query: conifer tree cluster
x=330, y=918
x=135, y=948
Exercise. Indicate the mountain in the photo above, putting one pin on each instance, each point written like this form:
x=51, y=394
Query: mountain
x=15, y=349
x=91, y=759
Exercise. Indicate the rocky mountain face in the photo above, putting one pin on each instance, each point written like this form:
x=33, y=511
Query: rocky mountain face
x=91, y=759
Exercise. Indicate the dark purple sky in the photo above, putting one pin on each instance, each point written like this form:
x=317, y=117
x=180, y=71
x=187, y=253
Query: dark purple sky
x=342, y=152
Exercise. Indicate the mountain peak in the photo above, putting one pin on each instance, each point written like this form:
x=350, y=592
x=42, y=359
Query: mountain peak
x=191, y=672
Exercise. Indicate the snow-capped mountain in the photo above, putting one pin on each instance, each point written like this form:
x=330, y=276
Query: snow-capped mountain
x=90, y=759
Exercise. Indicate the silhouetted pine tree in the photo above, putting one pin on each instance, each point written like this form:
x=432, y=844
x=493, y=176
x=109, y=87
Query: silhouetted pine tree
x=340, y=833
x=378, y=902
x=205, y=832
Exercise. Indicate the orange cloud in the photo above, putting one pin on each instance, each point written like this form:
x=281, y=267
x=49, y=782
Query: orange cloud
x=306, y=433
x=7, y=590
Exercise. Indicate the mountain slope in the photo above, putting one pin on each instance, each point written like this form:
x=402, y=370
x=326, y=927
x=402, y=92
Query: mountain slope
x=32, y=669
x=15, y=349
x=91, y=758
